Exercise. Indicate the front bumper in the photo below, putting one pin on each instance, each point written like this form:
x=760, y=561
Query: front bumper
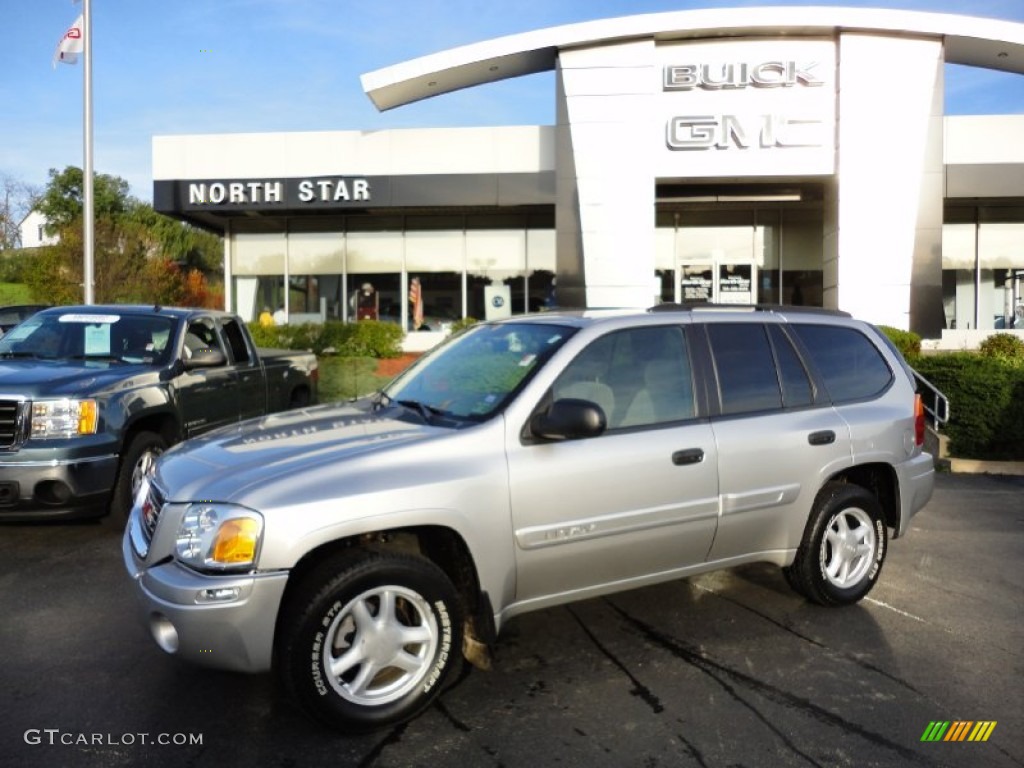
x=56, y=488
x=234, y=632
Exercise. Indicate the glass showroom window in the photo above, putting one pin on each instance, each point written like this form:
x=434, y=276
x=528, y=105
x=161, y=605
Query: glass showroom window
x=496, y=272
x=983, y=268
x=257, y=267
x=316, y=262
x=1001, y=268
x=434, y=260
x=541, y=289
x=374, y=265
x=958, y=275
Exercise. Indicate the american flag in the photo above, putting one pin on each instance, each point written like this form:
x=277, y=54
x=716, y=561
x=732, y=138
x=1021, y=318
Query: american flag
x=416, y=299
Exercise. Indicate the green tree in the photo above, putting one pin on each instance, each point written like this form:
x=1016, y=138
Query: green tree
x=140, y=256
x=62, y=202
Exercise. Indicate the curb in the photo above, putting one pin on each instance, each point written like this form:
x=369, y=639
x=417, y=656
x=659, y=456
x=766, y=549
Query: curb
x=973, y=466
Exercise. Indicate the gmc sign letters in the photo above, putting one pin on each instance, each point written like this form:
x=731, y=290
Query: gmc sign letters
x=723, y=131
x=742, y=131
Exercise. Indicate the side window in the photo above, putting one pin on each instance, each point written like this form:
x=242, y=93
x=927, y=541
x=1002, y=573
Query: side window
x=747, y=379
x=201, y=334
x=850, y=364
x=640, y=377
x=236, y=340
x=796, y=386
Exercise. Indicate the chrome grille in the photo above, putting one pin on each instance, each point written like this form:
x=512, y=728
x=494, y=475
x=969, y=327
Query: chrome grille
x=11, y=420
x=149, y=514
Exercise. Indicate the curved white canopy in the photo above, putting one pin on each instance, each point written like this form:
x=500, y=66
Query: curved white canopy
x=971, y=40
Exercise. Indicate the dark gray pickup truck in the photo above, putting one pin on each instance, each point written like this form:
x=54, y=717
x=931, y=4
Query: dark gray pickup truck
x=90, y=395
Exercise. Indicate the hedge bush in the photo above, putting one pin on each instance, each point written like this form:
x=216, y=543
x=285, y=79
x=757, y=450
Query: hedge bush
x=986, y=400
x=907, y=342
x=1005, y=346
x=344, y=378
x=367, y=338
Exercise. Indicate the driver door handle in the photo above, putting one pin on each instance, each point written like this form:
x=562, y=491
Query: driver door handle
x=688, y=456
x=824, y=437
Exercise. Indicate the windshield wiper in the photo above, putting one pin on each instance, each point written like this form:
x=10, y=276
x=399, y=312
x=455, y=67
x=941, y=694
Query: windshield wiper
x=101, y=358
x=21, y=353
x=426, y=412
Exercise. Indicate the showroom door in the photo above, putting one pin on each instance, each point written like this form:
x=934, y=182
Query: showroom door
x=718, y=263
x=720, y=282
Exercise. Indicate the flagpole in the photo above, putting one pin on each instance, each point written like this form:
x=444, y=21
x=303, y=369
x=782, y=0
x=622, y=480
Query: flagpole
x=88, y=221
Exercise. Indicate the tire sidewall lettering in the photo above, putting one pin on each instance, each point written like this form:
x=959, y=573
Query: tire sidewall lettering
x=444, y=647
x=317, y=652
x=879, y=550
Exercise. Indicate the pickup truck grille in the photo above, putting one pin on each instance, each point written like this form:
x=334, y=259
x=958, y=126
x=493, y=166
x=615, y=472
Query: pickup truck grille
x=150, y=512
x=11, y=420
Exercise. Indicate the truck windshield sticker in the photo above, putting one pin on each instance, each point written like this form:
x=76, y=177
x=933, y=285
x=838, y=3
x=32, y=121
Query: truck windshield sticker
x=90, y=319
x=97, y=339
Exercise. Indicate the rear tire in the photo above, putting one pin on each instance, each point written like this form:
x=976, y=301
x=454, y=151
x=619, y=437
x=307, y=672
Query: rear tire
x=843, y=548
x=369, y=639
x=137, y=459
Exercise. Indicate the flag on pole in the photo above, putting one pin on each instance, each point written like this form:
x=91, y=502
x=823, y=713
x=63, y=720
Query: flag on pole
x=71, y=45
x=416, y=299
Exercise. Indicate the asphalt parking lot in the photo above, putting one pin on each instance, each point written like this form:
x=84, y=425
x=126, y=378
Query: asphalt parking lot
x=729, y=669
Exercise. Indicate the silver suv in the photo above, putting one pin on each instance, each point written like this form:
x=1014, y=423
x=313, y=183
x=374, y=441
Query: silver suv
x=360, y=549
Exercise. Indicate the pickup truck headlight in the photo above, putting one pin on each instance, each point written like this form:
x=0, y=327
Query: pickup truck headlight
x=64, y=418
x=219, y=537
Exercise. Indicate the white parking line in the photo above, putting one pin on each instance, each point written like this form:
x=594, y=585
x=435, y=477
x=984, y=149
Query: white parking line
x=892, y=608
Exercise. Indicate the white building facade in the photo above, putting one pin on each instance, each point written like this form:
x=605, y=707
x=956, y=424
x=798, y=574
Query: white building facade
x=755, y=155
x=33, y=231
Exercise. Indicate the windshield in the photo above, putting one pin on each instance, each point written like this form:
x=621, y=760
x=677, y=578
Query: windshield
x=144, y=339
x=475, y=374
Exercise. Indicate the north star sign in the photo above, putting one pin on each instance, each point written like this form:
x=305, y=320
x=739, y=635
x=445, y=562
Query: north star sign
x=318, y=192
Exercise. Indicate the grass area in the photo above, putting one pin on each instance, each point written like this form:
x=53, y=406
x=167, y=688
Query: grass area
x=15, y=293
x=342, y=378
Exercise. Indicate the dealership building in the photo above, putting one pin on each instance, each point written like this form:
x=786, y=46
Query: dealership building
x=748, y=155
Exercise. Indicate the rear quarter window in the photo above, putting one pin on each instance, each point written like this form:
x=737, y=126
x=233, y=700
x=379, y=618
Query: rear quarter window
x=851, y=365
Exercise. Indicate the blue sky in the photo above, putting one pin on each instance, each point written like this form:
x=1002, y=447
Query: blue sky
x=221, y=66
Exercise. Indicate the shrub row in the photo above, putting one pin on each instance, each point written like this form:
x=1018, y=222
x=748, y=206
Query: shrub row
x=985, y=391
x=367, y=338
x=986, y=401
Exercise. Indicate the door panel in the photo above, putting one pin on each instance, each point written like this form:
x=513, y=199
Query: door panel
x=770, y=473
x=206, y=395
x=639, y=499
x=611, y=508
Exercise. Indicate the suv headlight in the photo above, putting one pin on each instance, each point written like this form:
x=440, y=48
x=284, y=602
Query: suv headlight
x=64, y=418
x=219, y=537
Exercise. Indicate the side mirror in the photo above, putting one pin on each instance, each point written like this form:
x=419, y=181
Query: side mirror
x=205, y=357
x=569, y=419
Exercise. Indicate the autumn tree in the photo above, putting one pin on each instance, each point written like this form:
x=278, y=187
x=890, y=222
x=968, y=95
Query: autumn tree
x=140, y=256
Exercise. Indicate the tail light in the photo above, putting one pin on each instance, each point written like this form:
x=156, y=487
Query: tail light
x=918, y=420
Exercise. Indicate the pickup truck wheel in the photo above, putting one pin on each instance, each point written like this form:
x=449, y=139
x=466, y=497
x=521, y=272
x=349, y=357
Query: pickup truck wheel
x=136, y=461
x=843, y=548
x=370, y=639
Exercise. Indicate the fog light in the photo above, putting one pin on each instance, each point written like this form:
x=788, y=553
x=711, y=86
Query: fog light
x=217, y=595
x=164, y=633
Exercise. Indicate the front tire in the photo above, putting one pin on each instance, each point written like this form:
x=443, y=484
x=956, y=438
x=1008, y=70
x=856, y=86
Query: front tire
x=137, y=460
x=843, y=549
x=369, y=639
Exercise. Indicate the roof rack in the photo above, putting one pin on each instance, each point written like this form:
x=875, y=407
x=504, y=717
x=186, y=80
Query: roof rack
x=670, y=306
